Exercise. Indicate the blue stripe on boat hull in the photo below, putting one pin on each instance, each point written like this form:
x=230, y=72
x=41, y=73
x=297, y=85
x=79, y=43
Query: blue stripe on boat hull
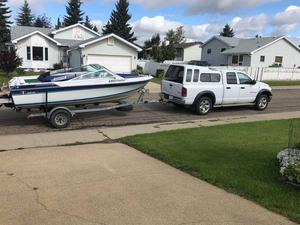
x=84, y=100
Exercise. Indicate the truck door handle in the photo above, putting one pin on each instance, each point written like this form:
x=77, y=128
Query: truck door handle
x=228, y=87
x=243, y=88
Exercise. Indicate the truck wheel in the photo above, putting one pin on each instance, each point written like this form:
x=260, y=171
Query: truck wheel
x=60, y=119
x=262, y=102
x=203, y=106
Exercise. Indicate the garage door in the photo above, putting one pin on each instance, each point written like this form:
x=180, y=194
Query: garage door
x=117, y=64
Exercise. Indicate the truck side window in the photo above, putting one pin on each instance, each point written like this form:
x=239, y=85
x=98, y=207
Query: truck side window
x=244, y=79
x=210, y=77
x=231, y=78
x=196, y=76
x=189, y=75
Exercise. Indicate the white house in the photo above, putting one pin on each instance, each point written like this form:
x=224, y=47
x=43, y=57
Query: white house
x=76, y=45
x=188, y=51
x=254, y=52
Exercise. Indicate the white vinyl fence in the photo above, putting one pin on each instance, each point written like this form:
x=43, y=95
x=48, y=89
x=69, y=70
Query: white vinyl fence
x=257, y=73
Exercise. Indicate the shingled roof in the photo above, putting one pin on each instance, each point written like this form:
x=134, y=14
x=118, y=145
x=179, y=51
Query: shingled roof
x=20, y=31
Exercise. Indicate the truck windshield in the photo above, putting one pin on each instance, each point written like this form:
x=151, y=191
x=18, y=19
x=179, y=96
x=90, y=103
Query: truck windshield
x=175, y=74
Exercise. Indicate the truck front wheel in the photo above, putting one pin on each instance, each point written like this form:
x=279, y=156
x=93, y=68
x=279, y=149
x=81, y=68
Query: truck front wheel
x=262, y=102
x=203, y=106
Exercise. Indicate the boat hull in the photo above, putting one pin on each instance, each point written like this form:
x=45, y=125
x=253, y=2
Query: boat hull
x=67, y=96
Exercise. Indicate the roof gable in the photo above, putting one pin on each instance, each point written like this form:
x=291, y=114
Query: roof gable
x=95, y=40
x=33, y=33
x=74, y=26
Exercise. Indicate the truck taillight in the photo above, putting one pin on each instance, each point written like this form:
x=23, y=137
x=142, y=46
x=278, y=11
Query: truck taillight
x=183, y=92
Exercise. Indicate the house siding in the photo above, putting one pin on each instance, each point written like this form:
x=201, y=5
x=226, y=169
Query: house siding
x=216, y=58
x=291, y=56
x=75, y=33
x=103, y=48
x=192, y=53
x=38, y=40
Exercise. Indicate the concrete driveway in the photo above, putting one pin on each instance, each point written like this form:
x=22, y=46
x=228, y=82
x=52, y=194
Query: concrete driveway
x=112, y=184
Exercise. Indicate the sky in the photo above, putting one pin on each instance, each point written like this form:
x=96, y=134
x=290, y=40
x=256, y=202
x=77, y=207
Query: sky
x=201, y=18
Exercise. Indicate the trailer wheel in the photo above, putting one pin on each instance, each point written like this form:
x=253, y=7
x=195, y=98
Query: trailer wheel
x=60, y=119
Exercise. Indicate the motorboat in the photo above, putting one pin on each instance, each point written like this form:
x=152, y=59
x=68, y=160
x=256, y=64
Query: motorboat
x=88, y=84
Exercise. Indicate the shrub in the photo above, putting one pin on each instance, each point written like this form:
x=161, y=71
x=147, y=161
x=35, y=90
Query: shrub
x=20, y=71
x=289, y=160
x=9, y=61
x=138, y=70
x=160, y=73
x=58, y=66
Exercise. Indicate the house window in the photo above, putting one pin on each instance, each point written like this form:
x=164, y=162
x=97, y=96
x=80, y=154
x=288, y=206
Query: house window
x=235, y=59
x=37, y=53
x=46, y=54
x=241, y=60
x=262, y=58
x=278, y=60
x=223, y=49
x=209, y=51
x=28, y=53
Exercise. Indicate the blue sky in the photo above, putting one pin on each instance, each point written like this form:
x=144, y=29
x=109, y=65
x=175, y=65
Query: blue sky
x=201, y=18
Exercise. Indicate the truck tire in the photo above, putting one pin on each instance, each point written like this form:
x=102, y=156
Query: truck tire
x=262, y=102
x=203, y=105
x=60, y=119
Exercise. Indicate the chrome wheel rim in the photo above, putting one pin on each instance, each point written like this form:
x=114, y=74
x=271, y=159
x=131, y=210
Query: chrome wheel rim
x=204, y=106
x=263, y=102
x=60, y=120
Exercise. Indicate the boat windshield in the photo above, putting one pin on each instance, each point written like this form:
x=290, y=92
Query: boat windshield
x=87, y=68
x=102, y=73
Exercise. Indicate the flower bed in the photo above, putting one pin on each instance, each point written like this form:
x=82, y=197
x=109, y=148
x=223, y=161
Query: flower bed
x=289, y=160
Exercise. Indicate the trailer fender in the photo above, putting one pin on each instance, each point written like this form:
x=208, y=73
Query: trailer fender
x=59, y=108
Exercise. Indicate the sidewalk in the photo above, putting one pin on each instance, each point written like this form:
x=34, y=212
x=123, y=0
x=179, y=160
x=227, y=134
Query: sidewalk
x=62, y=138
x=113, y=184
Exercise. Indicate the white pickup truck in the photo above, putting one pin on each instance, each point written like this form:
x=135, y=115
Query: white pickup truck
x=205, y=88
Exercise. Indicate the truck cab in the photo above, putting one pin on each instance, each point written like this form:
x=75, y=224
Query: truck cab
x=205, y=88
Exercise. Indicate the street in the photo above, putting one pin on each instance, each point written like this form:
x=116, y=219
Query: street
x=17, y=123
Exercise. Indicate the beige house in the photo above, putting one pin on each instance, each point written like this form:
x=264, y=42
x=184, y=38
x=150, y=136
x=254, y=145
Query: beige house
x=76, y=45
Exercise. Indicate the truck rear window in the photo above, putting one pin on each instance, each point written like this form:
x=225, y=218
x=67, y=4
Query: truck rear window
x=175, y=74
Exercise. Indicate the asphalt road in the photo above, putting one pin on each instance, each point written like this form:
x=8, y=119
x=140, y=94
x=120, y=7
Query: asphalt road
x=17, y=123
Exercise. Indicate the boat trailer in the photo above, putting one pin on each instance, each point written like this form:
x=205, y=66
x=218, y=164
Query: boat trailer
x=60, y=116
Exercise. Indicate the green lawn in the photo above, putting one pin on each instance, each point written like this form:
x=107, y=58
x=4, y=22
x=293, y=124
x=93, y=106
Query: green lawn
x=282, y=83
x=4, y=78
x=156, y=80
x=239, y=158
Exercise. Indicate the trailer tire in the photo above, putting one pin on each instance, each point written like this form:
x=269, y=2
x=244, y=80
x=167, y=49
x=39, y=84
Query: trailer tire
x=60, y=119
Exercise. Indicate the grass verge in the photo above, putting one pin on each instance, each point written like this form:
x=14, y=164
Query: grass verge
x=240, y=158
x=282, y=83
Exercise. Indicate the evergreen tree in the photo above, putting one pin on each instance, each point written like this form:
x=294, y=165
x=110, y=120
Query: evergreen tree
x=118, y=22
x=95, y=28
x=58, y=24
x=227, y=31
x=88, y=23
x=25, y=17
x=42, y=21
x=4, y=24
x=74, y=13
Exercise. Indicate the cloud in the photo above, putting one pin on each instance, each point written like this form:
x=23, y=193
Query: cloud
x=98, y=23
x=287, y=21
x=290, y=16
x=249, y=26
x=243, y=27
x=194, y=7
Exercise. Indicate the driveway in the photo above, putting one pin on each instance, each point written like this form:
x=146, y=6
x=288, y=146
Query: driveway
x=17, y=123
x=112, y=184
